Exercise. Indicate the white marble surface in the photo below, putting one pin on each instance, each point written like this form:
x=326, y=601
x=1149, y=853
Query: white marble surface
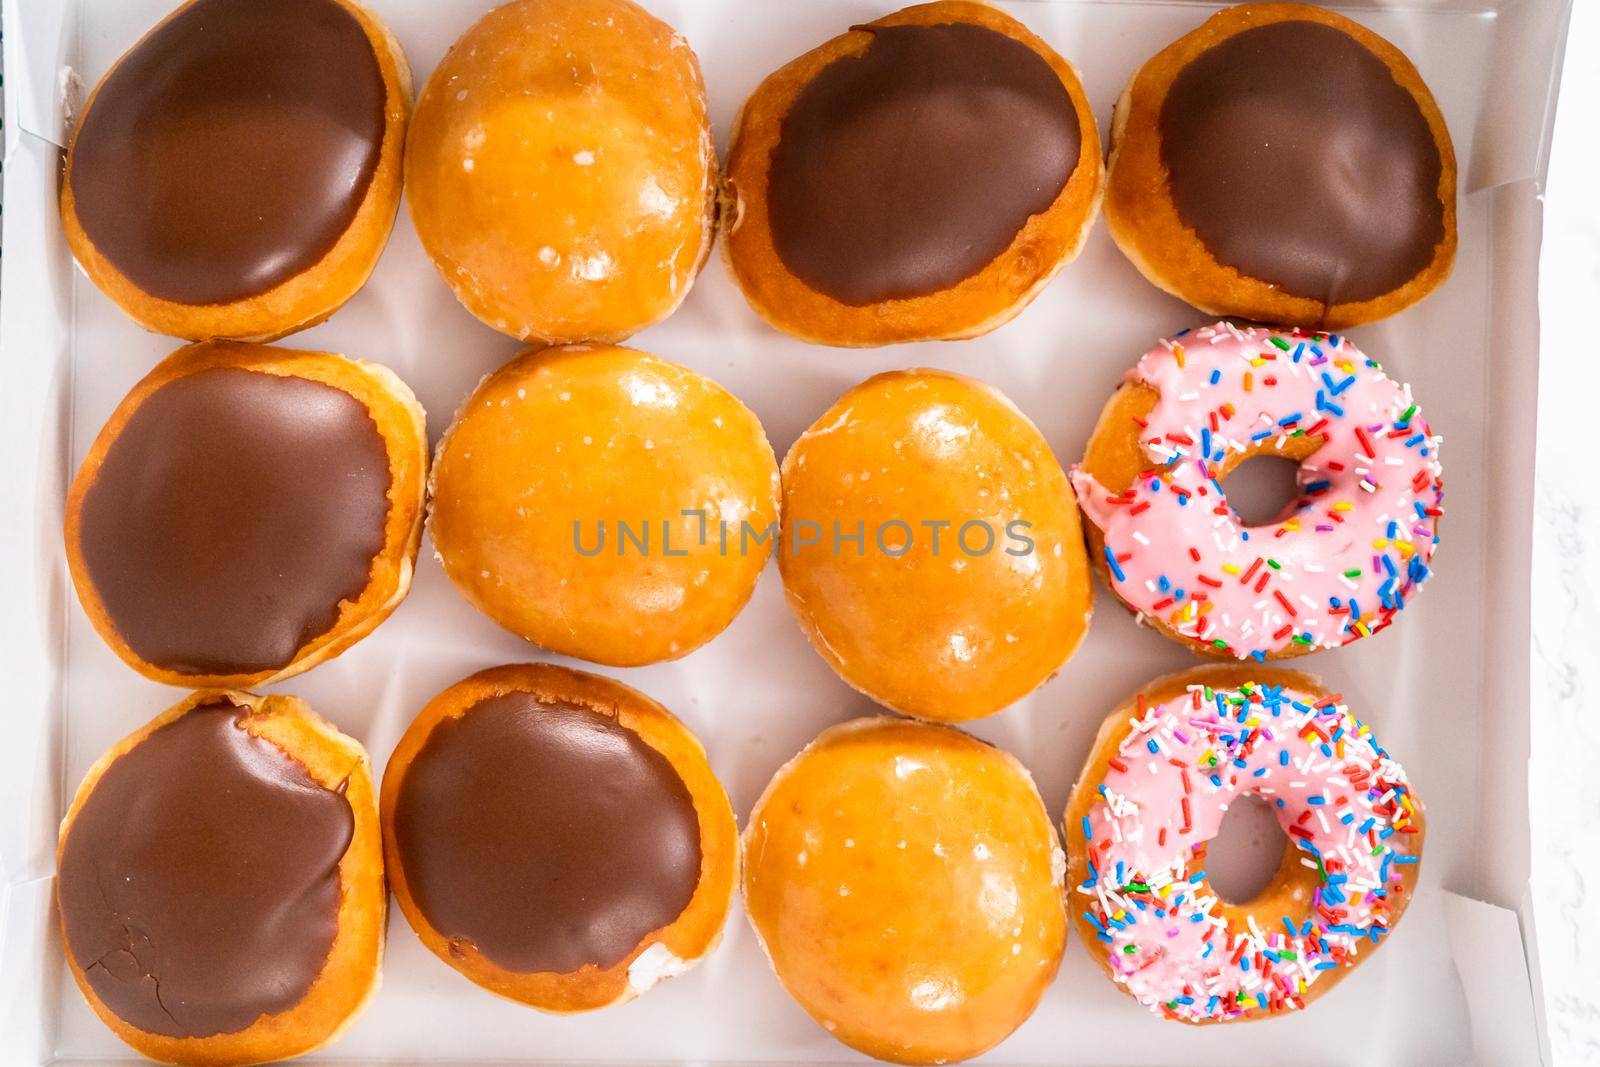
x=1564, y=783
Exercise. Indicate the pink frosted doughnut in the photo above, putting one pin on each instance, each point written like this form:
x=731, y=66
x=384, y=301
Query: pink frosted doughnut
x=1164, y=770
x=1343, y=558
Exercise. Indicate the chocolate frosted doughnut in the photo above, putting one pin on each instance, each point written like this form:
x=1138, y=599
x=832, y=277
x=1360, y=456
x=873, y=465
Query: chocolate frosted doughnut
x=220, y=882
x=557, y=837
x=247, y=512
x=921, y=176
x=1284, y=164
x=866, y=214
x=237, y=171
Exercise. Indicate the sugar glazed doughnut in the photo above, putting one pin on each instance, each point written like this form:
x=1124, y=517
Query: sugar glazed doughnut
x=248, y=512
x=237, y=172
x=906, y=885
x=931, y=548
x=558, y=837
x=919, y=177
x=560, y=169
x=220, y=882
x=1284, y=164
x=1344, y=557
x=605, y=504
x=1164, y=769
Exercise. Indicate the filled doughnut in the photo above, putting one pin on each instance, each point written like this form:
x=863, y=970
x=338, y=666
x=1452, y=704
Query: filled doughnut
x=920, y=177
x=237, y=172
x=1164, y=769
x=560, y=169
x=906, y=885
x=220, y=882
x=931, y=548
x=605, y=504
x=248, y=512
x=1285, y=164
x=1344, y=556
x=558, y=837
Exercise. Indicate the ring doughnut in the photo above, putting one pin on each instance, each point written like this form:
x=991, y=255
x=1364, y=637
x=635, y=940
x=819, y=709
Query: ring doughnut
x=1164, y=769
x=1343, y=557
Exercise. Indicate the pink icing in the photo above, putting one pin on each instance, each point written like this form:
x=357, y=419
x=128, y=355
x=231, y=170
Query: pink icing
x=1348, y=552
x=1343, y=802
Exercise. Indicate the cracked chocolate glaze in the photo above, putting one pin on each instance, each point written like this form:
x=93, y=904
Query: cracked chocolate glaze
x=199, y=882
x=230, y=517
x=908, y=168
x=546, y=835
x=1297, y=159
x=231, y=148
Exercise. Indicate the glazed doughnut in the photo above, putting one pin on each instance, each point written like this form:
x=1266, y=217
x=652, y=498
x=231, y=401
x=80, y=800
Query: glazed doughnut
x=1163, y=771
x=1343, y=557
x=920, y=177
x=220, y=882
x=906, y=884
x=931, y=548
x=604, y=503
x=248, y=512
x=558, y=837
x=1284, y=164
x=560, y=169
x=237, y=172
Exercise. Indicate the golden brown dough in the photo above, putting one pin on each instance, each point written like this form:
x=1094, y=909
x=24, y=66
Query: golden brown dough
x=905, y=882
x=946, y=622
x=560, y=169
x=604, y=503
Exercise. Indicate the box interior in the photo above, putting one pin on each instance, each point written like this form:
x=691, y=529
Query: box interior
x=1445, y=688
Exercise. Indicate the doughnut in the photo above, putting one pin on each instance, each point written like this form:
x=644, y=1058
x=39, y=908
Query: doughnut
x=558, y=837
x=220, y=882
x=931, y=548
x=237, y=172
x=920, y=177
x=605, y=504
x=1164, y=769
x=1284, y=164
x=906, y=885
x=560, y=170
x=1342, y=558
x=248, y=512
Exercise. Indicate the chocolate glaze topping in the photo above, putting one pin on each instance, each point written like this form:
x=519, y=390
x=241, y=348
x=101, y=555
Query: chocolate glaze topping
x=231, y=515
x=546, y=835
x=199, y=883
x=230, y=149
x=1298, y=159
x=908, y=168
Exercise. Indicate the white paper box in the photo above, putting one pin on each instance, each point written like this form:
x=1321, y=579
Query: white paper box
x=1446, y=688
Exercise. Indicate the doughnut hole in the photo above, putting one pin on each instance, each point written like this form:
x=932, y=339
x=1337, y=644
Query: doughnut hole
x=1249, y=847
x=1263, y=488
